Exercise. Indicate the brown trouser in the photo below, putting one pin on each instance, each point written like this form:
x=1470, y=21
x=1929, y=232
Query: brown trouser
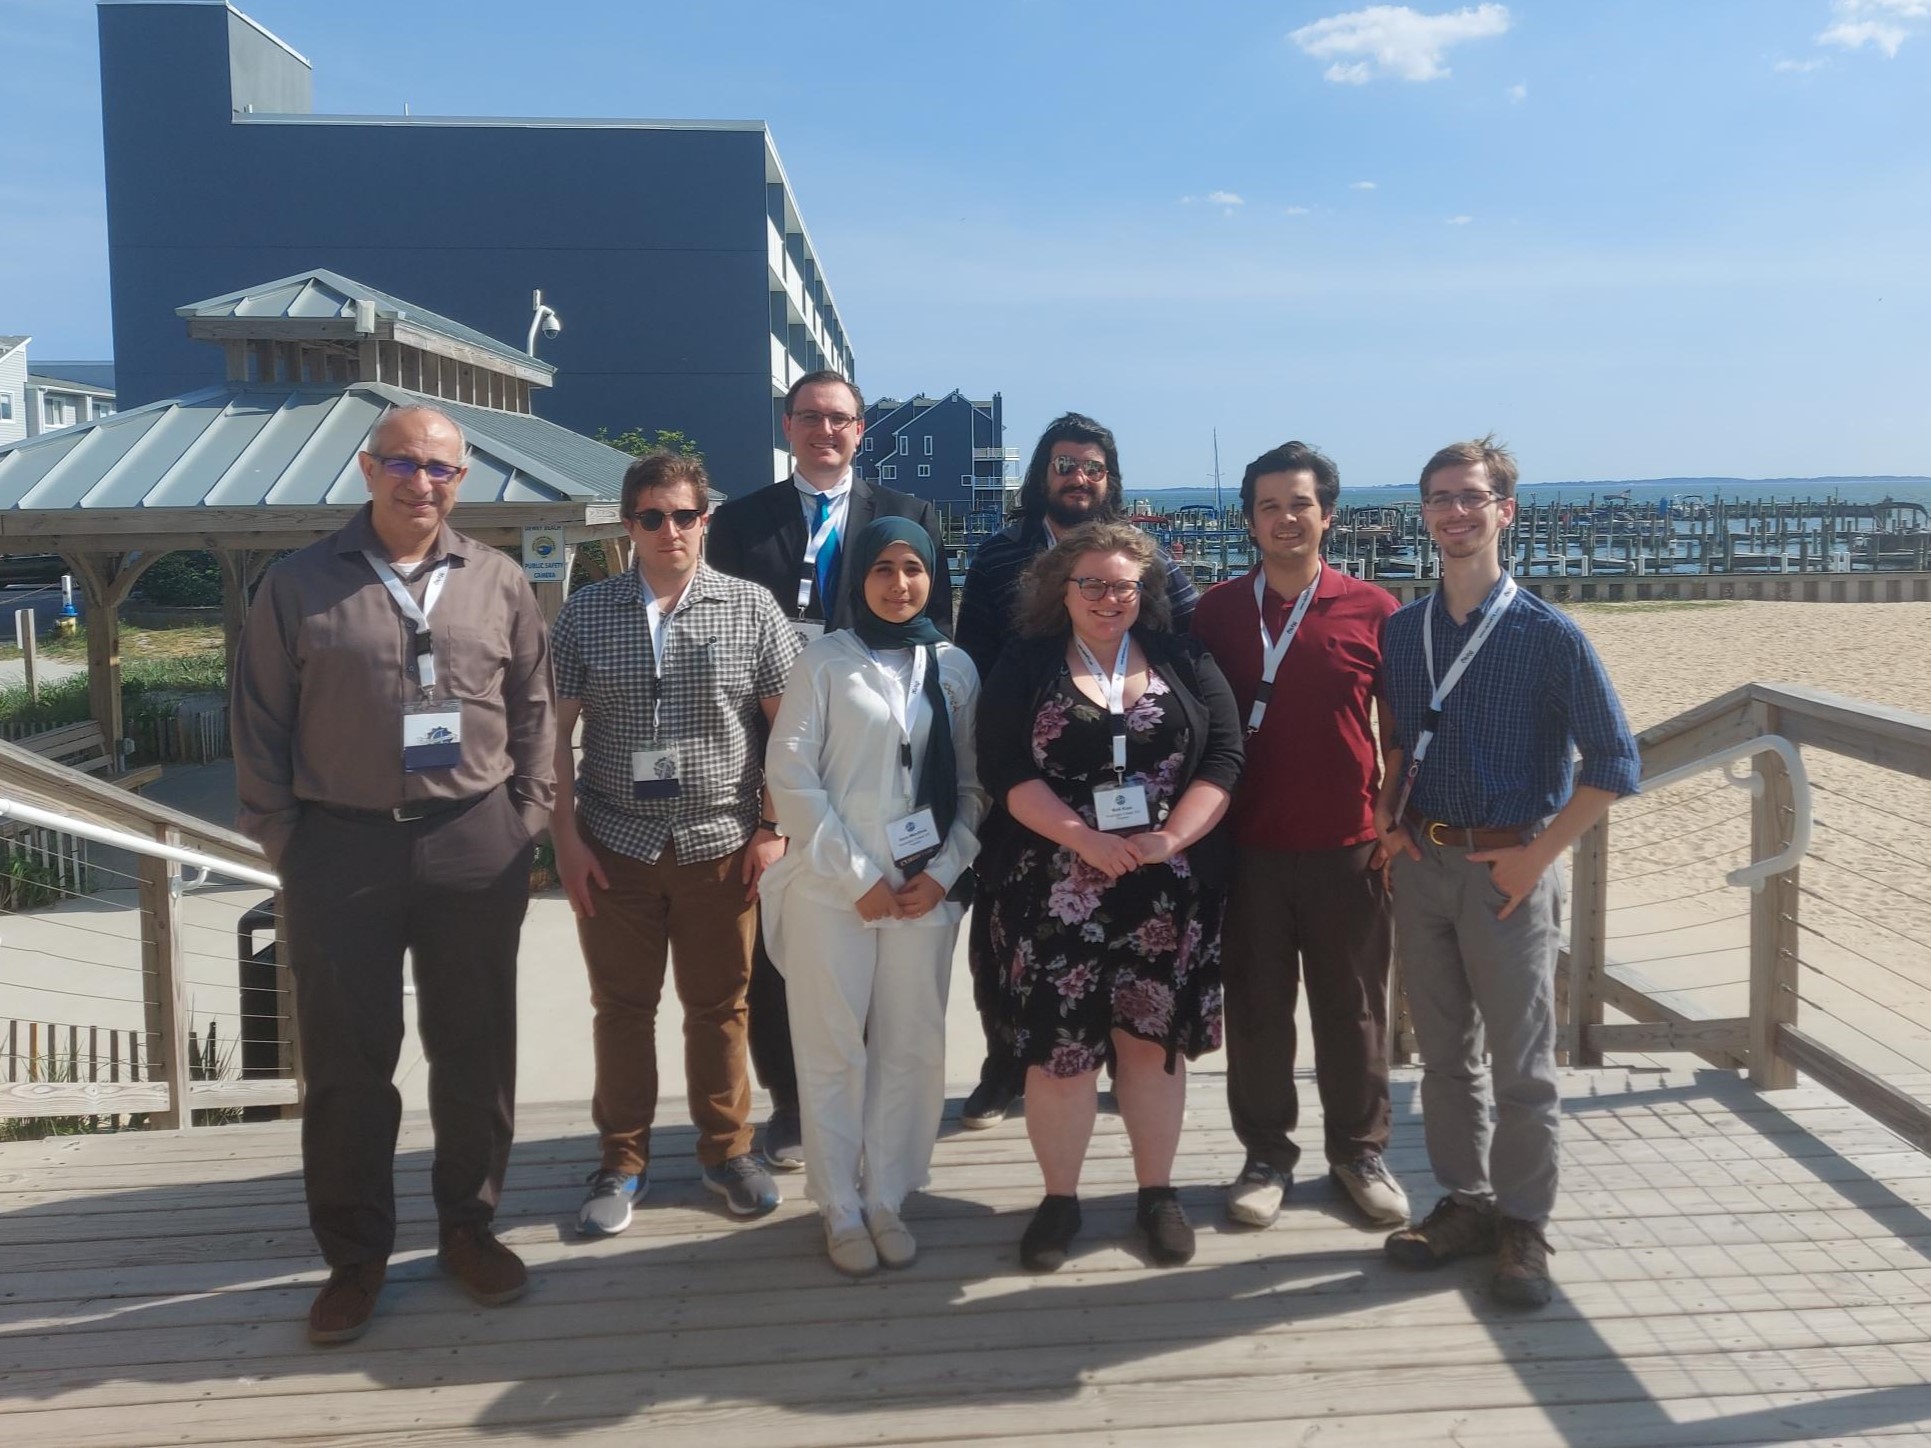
x=357, y=891
x=1322, y=915
x=698, y=912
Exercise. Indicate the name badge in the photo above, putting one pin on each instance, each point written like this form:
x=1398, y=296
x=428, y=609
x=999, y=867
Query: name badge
x=432, y=735
x=653, y=772
x=1122, y=808
x=913, y=837
x=808, y=629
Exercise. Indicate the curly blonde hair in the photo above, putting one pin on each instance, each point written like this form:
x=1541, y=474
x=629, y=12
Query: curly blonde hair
x=1042, y=592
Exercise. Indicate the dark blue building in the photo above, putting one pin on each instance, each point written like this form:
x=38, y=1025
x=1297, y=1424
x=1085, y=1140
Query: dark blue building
x=950, y=449
x=673, y=251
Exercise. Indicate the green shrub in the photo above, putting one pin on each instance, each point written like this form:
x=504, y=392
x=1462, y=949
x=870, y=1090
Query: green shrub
x=182, y=580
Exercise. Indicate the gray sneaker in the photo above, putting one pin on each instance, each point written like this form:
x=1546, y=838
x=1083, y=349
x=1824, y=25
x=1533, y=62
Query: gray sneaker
x=784, y=1140
x=606, y=1211
x=1254, y=1198
x=746, y=1186
x=1374, y=1189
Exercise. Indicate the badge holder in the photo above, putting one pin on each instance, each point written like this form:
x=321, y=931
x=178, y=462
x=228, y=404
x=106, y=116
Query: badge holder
x=1123, y=807
x=432, y=728
x=913, y=840
x=654, y=771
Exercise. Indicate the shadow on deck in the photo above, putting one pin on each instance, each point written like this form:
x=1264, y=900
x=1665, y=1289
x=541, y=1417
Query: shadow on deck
x=1732, y=1268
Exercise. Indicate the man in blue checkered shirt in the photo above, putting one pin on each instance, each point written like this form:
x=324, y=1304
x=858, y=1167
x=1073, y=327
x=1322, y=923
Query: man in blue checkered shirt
x=676, y=671
x=1493, y=693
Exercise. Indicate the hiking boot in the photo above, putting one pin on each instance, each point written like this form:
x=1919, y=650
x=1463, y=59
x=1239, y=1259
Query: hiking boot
x=784, y=1140
x=746, y=1186
x=896, y=1246
x=1054, y=1225
x=1522, y=1265
x=987, y=1105
x=491, y=1272
x=849, y=1245
x=342, y=1309
x=1454, y=1229
x=1254, y=1198
x=606, y=1211
x=1374, y=1189
x=1169, y=1234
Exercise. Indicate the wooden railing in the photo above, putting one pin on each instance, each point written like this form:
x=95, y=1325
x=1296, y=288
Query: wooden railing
x=1769, y=1041
x=170, y=1095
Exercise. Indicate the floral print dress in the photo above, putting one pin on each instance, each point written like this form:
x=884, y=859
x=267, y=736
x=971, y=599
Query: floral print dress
x=1083, y=955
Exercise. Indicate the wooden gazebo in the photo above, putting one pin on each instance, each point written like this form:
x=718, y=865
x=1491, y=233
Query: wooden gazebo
x=266, y=461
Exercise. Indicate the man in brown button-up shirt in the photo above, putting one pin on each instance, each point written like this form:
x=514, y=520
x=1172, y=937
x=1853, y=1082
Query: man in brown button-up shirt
x=383, y=849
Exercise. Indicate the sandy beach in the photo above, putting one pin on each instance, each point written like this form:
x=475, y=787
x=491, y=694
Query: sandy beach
x=1865, y=907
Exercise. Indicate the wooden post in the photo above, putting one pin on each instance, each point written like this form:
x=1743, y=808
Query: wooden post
x=106, y=579
x=241, y=569
x=1773, y=917
x=1588, y=928
x=26, y=634
x=165, y=990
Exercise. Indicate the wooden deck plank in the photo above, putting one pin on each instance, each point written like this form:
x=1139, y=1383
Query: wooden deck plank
x=1733, y=1267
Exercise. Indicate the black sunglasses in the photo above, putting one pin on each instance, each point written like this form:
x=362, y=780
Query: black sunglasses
x=651, y=519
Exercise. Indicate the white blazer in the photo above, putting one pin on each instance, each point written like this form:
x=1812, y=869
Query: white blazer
x=833, y=768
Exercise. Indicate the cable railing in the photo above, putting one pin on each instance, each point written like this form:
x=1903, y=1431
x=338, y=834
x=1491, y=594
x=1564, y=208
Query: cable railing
x=139, y=981
x=1789, y=932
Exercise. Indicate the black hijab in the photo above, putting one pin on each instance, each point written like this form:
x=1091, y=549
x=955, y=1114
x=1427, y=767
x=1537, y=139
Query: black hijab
x=939, y=773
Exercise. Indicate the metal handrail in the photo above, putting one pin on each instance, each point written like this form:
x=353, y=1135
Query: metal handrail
x=137, y=844
x=1757, y=871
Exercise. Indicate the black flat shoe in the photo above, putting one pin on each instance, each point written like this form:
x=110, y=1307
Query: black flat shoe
x=1049, y=1234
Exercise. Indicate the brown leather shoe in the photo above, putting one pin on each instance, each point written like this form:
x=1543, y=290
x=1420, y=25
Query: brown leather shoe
x=1522, y=1265
x=342, y=1309
x=491, y=1272
x=1454, y=1229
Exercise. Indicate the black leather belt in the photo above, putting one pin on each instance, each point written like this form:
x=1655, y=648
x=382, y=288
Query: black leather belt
x=415, y=809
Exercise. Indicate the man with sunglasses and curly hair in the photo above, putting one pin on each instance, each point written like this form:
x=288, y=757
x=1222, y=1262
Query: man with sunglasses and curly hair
x=675, y=671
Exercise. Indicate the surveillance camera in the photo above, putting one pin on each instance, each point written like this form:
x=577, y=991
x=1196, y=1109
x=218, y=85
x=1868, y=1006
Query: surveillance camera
x=551, y=326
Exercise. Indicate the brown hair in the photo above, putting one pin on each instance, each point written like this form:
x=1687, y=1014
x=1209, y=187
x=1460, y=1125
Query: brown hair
x=661, y=469
x=824, y=374
x=1042, y=592
x=1492, y=455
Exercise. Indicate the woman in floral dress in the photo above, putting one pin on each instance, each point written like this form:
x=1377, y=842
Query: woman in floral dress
x=1113, y=747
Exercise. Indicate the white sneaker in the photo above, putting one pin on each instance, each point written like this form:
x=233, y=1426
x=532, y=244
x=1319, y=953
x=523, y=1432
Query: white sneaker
x=849, y=1245
x=1374, y=1189
x=1254, y=1199
x=896, y=1246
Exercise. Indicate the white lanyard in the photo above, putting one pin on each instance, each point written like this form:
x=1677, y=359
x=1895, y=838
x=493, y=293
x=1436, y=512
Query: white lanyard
x=417, y=614
x=835, y=512
x=1274, y=650
x=1505, y=595
x=657, y=624
x=902, y=698
x=1114, y=686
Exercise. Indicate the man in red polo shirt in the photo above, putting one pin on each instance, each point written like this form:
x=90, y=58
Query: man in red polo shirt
x=1301, y=644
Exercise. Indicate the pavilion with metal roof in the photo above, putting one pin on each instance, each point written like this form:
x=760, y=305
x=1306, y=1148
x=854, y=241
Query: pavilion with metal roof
x=266, y=461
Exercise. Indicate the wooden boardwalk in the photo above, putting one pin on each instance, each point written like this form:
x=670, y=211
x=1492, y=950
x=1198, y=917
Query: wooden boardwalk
x=1732, y=1268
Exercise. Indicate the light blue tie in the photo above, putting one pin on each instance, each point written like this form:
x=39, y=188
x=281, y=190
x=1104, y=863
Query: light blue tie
x=827, y=558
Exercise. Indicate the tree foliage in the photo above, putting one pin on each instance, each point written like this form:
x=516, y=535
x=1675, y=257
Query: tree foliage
x=637, y=441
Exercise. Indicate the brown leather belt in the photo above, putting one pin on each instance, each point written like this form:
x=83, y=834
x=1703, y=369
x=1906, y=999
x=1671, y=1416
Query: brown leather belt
x=1439, y=832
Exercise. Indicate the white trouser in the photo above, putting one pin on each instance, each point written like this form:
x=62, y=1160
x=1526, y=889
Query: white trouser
x=868, y=1031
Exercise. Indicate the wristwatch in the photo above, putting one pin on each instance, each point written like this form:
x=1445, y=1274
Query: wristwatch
x=770, y=827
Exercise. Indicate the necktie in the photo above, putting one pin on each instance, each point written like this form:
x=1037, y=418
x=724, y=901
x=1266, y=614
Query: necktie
x=827, y=558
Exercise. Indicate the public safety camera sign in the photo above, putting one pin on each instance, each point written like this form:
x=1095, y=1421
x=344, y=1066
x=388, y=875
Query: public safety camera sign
x=545, y=559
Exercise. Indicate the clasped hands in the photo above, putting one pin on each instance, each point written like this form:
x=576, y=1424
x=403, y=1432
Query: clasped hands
x=1114, y=855
x=917, y=896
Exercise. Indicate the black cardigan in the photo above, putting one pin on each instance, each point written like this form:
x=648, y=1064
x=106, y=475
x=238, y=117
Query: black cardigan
x=1018, y=686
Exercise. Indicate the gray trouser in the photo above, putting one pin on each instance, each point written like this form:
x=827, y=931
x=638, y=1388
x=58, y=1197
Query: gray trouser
x=1468, y=975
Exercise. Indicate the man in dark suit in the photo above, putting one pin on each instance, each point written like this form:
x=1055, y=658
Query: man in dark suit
x=790, y=537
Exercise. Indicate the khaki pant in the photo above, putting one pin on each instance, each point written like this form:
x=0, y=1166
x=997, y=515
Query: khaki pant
x=696, y=916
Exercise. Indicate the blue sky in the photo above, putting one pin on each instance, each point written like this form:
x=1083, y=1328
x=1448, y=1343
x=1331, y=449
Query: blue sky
x=1640, y=239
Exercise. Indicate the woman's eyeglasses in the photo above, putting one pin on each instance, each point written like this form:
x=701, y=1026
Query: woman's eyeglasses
x=1123, y=590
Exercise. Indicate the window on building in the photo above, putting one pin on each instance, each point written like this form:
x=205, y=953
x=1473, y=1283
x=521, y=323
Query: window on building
x=55, y=409
x=928, y=444
x=904, y=444
x=925, y=470
x=888, y=472
x=865, y=446
x=6, y=407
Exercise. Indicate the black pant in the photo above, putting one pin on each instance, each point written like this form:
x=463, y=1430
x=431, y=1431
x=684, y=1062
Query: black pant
x=356, y=892
x=769, y=1030
x=1322, y=916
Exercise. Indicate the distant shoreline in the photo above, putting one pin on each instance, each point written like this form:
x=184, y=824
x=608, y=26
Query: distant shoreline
x=1898, y=488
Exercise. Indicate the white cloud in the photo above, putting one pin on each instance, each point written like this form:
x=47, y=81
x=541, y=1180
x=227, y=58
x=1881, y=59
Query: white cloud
x=1887, y=24
x=1459, y=220
x=1361, y=186
x=1799, y=67
x=1225, y=198
x=1397, y=40
x=1518, y=93
x=1298, y=210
